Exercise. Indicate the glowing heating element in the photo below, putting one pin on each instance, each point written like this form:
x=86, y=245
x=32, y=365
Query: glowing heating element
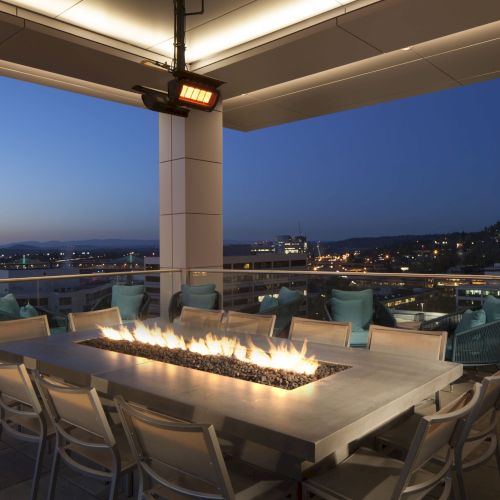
x=196, y=95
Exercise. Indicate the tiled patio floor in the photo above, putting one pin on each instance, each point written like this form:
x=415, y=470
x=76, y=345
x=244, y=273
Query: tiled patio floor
x=17, y=462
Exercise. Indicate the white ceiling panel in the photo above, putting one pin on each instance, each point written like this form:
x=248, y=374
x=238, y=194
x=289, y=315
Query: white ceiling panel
x=468, y=62
x=142, y=23
x=9, y=25
x=317, y=80
x=260, y=115
x=50, y=8
x=37, y=46
x=397, y=75
x=324, y=47
x=394, y=24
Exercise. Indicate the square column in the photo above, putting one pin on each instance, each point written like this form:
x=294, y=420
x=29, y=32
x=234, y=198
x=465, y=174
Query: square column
x=190, y=171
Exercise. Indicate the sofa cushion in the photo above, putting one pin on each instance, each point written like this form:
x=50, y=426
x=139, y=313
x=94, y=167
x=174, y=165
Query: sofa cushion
x=129, y=305
x=471, y=319
x=359, y=338
x=366, y=297
x=268, y=305
x=491, y=307
x=348, y=311
x=287, y=296
x=188, y=290
x=125, y=290
x=201, y=300
x=28, y=311
x=9, y=305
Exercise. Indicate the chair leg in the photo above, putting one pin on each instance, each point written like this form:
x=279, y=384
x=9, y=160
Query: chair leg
x=113, y=487
x=459, y=481
x=38, y=468
x=130, y=483
x=438, y=401
x=497, y=454
x=53, y=474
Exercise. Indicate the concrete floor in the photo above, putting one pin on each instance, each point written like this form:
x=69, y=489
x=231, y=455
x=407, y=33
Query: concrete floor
x=17, y=462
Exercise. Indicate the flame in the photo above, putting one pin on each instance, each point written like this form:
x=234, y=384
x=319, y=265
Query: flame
x=279, y=357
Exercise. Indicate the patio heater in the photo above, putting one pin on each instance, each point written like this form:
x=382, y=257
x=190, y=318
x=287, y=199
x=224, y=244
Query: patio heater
x=186, y=89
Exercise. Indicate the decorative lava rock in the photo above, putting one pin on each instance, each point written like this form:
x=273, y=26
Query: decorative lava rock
x=221, y=365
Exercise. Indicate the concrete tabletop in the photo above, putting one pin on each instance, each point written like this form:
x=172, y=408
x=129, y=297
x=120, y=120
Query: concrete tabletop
x=305, y=424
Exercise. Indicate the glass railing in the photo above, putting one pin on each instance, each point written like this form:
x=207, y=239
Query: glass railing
x=411, y=299
x=58, y=294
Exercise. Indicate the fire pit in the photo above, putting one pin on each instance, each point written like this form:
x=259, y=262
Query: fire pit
x=281, y=366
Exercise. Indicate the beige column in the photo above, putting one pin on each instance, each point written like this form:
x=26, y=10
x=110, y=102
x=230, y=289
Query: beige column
x=190, y=157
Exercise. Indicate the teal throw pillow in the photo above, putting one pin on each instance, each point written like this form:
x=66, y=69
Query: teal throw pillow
x=491, y=307
x=348, y=311
x=471, y=319
x=9, y=305
x=187, y=291
x=129, y=305
x=201, y=300
x=268, y=305
x=28, y=311
x=124, y=290
x=287, y=296
x=366, y=297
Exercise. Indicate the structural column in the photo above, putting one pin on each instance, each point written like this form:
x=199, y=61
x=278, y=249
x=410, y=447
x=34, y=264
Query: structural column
x=190, y=156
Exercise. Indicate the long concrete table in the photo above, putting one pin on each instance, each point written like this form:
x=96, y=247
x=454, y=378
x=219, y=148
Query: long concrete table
x=282, y=430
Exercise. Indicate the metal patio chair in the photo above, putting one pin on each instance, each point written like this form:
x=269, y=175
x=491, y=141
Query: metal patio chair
x=27, y=328
x=21, y=414
x=321, y=332
x=93, y=319
x=185, y=460
x=477, y=441
x=256, y=324
x=369, y=474
x=206, y=319
x=415, y=343
x=83, y=435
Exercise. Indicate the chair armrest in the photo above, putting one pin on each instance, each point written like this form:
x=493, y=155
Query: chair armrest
x=174, y=308
x=103, y=303
x=327, y=311
x=477, y=346
x=447, y=322
x=55, y=320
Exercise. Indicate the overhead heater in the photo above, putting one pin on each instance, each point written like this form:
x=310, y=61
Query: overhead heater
x=186, y=89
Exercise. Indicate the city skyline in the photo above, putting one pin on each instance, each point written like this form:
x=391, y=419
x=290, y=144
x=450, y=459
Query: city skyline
x=86, y=168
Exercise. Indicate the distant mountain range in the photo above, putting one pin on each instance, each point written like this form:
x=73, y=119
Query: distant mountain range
x=81, y=244
x=376, y=241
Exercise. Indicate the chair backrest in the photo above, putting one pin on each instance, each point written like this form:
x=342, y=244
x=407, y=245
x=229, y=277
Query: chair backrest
x=322, y=332
x=257, y=324
x=206, y=319
x=77, y=406
x=415, y=343
x=489, y=401
x=15, y=384
x=27, y=328
x=434, y=433
x=162, y=445
x=93, y=319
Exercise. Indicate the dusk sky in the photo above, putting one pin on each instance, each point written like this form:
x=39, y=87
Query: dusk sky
x=76, y=167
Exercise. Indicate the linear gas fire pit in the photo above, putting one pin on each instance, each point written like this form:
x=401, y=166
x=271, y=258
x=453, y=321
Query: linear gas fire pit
x=285, y=366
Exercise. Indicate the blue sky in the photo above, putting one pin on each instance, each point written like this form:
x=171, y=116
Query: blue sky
x=76, y=167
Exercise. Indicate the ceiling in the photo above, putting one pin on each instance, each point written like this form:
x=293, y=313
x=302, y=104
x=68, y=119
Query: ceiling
x=283, y=60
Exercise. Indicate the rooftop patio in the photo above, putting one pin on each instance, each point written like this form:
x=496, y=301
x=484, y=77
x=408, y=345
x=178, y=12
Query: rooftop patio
x=283, y=61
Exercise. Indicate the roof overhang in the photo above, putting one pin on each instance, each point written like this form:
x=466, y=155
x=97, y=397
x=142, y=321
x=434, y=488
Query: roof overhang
x=283, y=60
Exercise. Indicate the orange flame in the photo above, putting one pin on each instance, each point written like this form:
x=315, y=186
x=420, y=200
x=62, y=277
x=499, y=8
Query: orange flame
x=280, y=357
